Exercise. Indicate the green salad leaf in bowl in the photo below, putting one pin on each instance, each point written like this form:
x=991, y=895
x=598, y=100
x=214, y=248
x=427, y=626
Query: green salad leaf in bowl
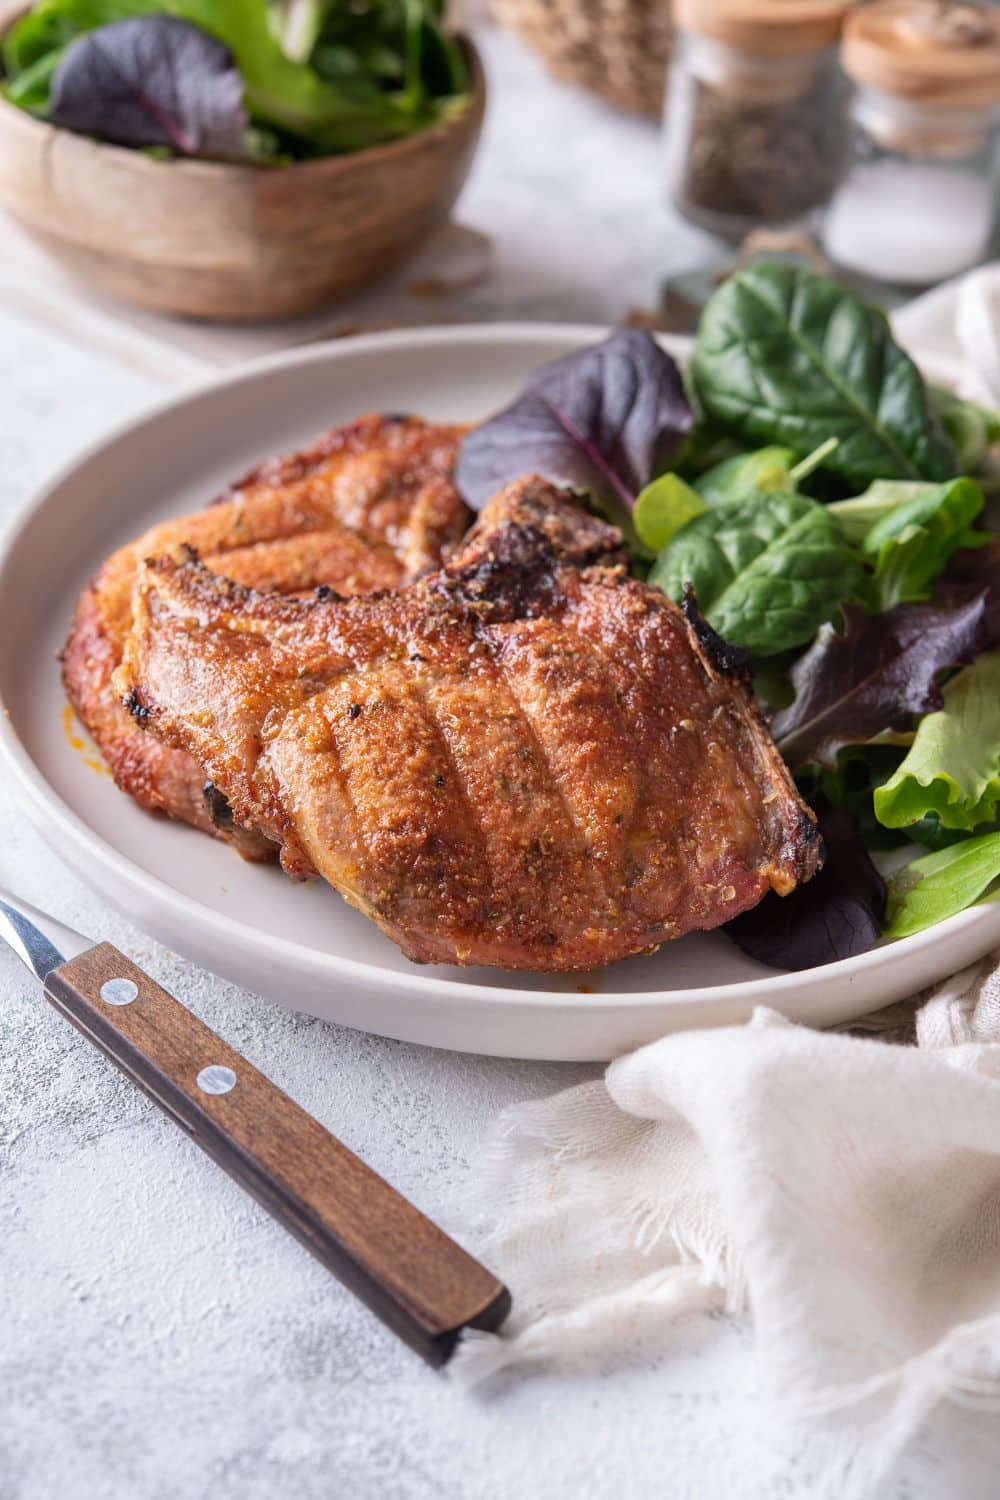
x=236, y=79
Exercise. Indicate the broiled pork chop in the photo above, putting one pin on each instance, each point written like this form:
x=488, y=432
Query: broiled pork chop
x=527, y=759
x=368, y=507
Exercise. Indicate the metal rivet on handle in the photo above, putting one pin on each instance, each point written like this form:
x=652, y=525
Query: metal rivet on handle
x=119, y=991
x=216, y=1079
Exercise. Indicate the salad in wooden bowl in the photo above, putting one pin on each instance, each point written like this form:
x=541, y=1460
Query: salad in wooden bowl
x=234, y=159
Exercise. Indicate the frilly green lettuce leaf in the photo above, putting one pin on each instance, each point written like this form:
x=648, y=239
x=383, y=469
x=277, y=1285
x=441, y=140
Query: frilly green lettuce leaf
x=952, y=769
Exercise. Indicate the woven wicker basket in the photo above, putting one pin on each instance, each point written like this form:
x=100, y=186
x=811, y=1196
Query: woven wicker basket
x=617, y=48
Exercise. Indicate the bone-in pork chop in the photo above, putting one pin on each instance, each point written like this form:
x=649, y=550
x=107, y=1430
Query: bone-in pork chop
x=526, y=759
x=369, y=506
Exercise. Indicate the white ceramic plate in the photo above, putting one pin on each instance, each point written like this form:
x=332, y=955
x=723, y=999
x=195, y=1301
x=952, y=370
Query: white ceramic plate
x=301, y=944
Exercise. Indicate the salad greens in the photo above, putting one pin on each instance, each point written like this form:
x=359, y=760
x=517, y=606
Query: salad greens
x=977, y=569
x=879, y=671
x=952, y=769
x=152, y=82
x=838, y=912
x=785, y=356
x=766, y=576
x=912, y=542
x=939, y=885
x=972, y=428
x=603, y=422
x=350, y=77
x=663, y=507
x=820, y=505
x=745, y=474
x=858, y=514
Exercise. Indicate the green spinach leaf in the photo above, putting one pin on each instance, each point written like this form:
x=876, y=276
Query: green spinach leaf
x=736, y=478
x=744, y=475
x=765, y=576
x=784, y=356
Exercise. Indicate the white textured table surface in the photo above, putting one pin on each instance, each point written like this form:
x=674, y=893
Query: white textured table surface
x=160, y=1338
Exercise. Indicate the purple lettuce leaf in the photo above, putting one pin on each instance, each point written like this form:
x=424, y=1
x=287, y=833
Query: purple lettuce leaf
x=604, y=421
x=855, y=683
x=152, y=81
x=837, y=914
x=969, y=571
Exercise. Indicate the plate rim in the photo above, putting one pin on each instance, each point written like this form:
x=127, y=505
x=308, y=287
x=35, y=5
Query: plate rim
x=53, y=812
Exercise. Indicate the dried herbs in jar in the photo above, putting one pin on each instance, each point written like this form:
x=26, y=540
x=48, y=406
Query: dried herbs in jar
x=754, y=126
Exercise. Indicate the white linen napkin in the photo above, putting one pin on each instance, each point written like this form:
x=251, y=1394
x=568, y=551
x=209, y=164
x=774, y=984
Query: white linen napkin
x=843, y=1190
x=954, y=334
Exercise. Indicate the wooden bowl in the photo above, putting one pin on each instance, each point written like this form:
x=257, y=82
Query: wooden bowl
x=207, y=240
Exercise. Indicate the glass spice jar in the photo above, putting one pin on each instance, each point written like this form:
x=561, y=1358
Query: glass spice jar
x=919, y=201
x=754, y=125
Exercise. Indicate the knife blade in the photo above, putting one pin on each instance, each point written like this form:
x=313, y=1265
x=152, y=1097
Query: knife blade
x=422, y=1284
x=40, y=942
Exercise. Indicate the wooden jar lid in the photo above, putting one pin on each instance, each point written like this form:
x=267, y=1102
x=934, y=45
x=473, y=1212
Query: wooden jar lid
x=764, y=28
x=926, y=51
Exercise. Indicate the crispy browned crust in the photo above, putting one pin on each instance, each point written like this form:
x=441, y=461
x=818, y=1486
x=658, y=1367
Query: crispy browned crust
x=526, y=759
x=368, y=506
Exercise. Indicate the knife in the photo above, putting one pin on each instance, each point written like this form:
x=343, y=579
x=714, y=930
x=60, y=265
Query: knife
x=423, y=1285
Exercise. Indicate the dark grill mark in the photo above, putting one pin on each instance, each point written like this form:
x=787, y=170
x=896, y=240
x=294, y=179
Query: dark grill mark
x=218, y=806
x=729, y=659
x=136, y=707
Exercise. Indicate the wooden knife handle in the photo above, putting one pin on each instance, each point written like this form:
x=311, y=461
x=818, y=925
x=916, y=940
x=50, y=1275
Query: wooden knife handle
x=411, y=1275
